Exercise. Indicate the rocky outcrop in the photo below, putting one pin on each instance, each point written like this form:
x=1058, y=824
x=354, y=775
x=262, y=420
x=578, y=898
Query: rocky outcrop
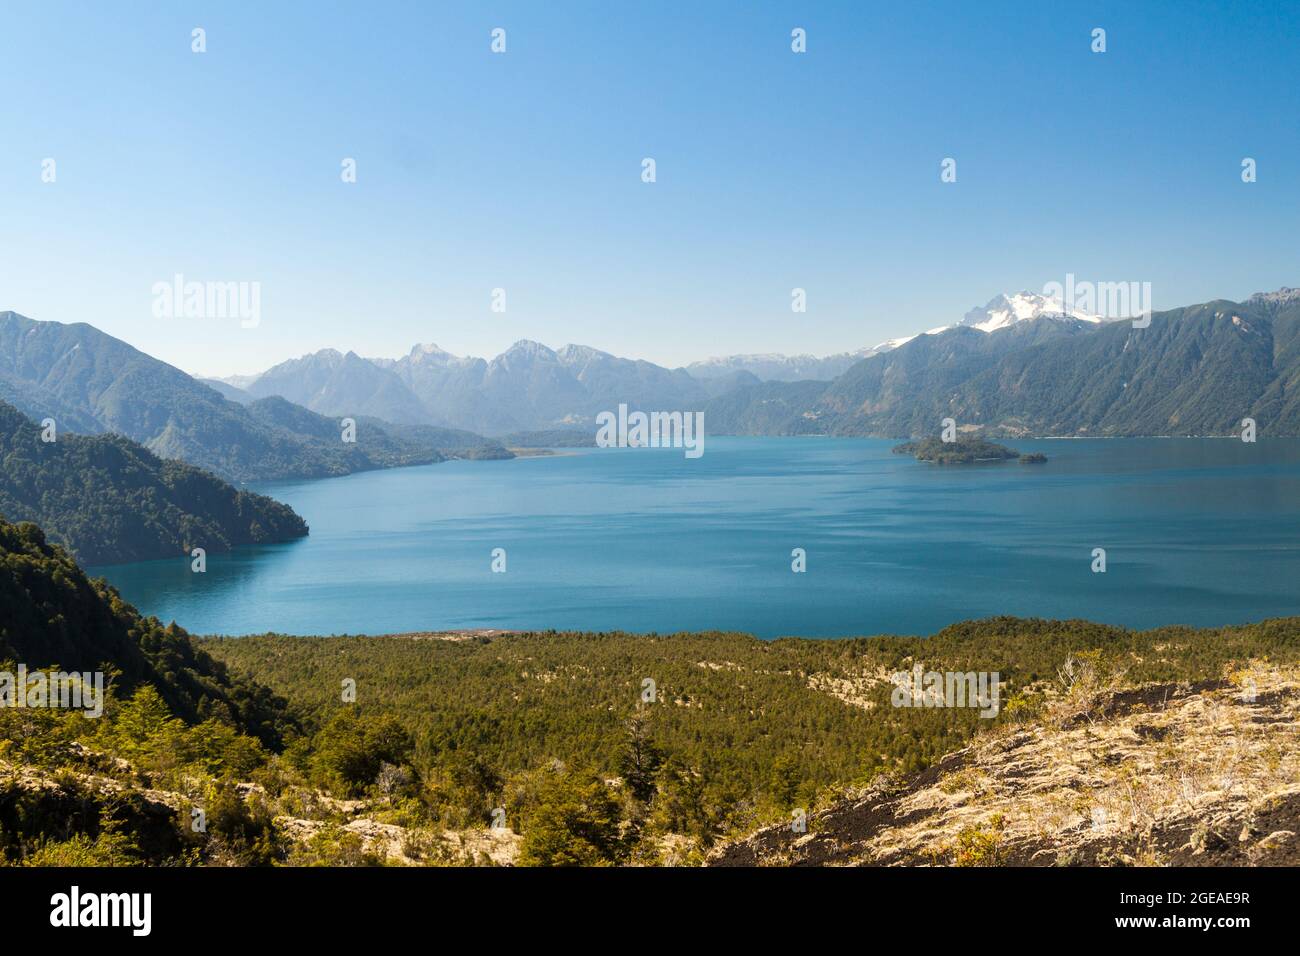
x=1181, y=775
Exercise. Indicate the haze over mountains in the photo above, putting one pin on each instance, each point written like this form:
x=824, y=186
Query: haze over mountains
x=1022, y=364
x=90, y=382
x=773, y=367
x=531, y=386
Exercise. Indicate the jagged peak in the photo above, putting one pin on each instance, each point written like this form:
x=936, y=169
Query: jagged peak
x=428, y=348
x=1284, y=294
x=580, y=353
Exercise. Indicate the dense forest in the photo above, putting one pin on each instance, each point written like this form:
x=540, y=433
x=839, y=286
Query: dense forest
x=551, y=438
x=52, y=614
x=107, y=499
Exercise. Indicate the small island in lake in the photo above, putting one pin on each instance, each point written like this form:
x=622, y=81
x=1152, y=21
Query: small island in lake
x=964, y=451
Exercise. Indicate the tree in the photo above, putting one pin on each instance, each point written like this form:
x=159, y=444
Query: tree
x=144, y=724
x=682, y=805
x=639, y=760
x=352, y=748
x=577, y=823
x=786, y=778
x=471, y=782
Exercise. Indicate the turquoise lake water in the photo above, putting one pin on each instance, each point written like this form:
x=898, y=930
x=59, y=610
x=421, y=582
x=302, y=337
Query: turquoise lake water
x=1196, y=531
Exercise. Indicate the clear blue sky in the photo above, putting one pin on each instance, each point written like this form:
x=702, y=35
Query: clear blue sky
x=522, y=170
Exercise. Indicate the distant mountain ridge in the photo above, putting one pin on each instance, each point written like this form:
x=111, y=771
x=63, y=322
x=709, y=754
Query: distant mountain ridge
x=528, y=387
x=90, y=382
x=335, y=383
x=531, y=387
x=1197, y=370
x=1020, y=365
x=774, y=367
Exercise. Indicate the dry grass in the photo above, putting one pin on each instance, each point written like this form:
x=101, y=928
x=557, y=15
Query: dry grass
x=1080, y=781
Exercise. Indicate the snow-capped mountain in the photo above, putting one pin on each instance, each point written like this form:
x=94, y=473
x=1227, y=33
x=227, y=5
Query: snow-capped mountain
x=1004, y=310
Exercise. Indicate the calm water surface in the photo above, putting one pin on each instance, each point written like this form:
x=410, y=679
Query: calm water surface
x=1196, y=531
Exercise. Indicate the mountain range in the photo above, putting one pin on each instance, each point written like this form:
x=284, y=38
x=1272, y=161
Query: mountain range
x=531, y=387
x=1020, y=365
x=527, y=387
x=1196, y=370
x=90, y=383
x=1023, y=364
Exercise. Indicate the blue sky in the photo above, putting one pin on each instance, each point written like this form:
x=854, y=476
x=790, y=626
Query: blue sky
x=522, y=171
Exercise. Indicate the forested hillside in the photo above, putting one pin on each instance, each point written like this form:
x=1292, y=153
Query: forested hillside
x=107, y=499
x=52, y=614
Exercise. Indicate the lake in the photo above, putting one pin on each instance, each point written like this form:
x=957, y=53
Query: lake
x=1196, y=531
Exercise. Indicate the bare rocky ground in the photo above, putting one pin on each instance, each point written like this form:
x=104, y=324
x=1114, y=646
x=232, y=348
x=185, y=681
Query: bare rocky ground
x=1163, y=775
x=154, y=818
x=401, y=846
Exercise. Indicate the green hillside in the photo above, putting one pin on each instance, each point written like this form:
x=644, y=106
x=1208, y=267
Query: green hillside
x=52, y=614
x=107, y=499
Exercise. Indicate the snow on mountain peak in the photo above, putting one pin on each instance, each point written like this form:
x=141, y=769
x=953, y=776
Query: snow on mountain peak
x=1006, y=310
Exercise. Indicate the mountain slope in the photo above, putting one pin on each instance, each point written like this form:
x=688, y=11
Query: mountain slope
x=768, y=408
x=50, y=613
x=107, y=499
x=899, y=392
x=892, y=393
x=78, y=375
x=335, y=384
x=1197, y=370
